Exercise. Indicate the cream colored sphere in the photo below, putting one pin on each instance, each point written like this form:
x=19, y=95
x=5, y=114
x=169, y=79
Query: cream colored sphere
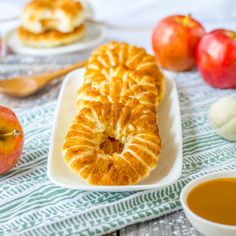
x=222, y=116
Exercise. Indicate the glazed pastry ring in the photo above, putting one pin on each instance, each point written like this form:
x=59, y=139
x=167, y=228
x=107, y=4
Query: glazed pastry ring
x=114, y=138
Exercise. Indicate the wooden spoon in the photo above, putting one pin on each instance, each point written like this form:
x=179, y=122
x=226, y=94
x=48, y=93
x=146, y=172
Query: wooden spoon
x=23, y=86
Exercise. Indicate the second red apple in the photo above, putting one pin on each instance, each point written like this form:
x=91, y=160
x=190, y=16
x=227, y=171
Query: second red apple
x=216, y=58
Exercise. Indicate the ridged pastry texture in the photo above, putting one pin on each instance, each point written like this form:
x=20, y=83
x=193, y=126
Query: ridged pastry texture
x=116, y=84
x=129, y=57
x=114, y=138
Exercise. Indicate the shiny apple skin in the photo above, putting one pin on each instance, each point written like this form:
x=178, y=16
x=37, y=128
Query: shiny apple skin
x=216, y=59
x=175, y=43
x=11, y=146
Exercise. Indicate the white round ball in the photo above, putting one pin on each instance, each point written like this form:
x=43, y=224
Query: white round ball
x=222, y=116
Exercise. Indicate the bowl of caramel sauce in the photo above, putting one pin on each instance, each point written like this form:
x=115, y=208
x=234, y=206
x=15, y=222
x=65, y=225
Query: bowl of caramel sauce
x=209, y=203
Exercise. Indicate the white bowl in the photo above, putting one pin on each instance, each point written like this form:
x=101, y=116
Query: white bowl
x=206, y=227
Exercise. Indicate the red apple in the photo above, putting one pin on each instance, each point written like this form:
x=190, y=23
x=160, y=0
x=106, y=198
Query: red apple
x=174, y=41
x=216, y=58
x=11, y=139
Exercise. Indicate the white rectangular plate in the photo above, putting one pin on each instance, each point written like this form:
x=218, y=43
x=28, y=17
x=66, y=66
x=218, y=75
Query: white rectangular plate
x=169, y=167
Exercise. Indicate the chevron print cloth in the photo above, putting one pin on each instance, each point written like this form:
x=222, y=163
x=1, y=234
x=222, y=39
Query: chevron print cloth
x=31, y=205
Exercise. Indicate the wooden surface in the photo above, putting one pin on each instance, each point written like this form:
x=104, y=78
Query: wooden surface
x=172, y=224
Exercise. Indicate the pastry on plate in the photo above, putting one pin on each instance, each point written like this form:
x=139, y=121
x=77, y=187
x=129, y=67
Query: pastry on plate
x=50, y=23
x=50, y=38
x=118, y=84
x=132, y=125
x=129, y=57
x=114, y=138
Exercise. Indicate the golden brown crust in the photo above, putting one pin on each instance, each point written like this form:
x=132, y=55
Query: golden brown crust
x=51, y=38
x=135, y=128
x=114, y=138
x=118, y=84
x=39, y=16
x=129, y=57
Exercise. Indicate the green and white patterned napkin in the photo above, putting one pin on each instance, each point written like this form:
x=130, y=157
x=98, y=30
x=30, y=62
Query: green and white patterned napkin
x=31, y=205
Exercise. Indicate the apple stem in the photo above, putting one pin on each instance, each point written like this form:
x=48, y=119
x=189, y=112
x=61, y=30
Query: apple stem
x=14, y=133
x=187, y=19
x=234, y=37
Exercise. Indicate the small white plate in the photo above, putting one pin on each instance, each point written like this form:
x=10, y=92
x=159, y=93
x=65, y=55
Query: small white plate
x=94, y=35
x=169, y=167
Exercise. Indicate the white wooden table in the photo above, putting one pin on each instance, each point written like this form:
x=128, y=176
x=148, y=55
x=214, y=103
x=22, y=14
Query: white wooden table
x=174, y=224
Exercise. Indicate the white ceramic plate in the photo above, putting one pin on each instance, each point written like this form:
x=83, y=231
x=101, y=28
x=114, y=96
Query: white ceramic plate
x=94, y=35
x=169, y=166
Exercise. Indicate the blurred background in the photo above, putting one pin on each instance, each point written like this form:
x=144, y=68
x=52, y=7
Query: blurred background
x=144, y=14
x=134, y=21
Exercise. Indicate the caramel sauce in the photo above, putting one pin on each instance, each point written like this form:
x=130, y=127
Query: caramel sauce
x=215, y=200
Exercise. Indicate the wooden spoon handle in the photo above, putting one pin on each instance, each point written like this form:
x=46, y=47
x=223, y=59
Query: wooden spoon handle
x=42, y=79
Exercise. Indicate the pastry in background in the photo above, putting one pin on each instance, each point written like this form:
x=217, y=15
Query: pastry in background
x=50, y=38
x=51, y=23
